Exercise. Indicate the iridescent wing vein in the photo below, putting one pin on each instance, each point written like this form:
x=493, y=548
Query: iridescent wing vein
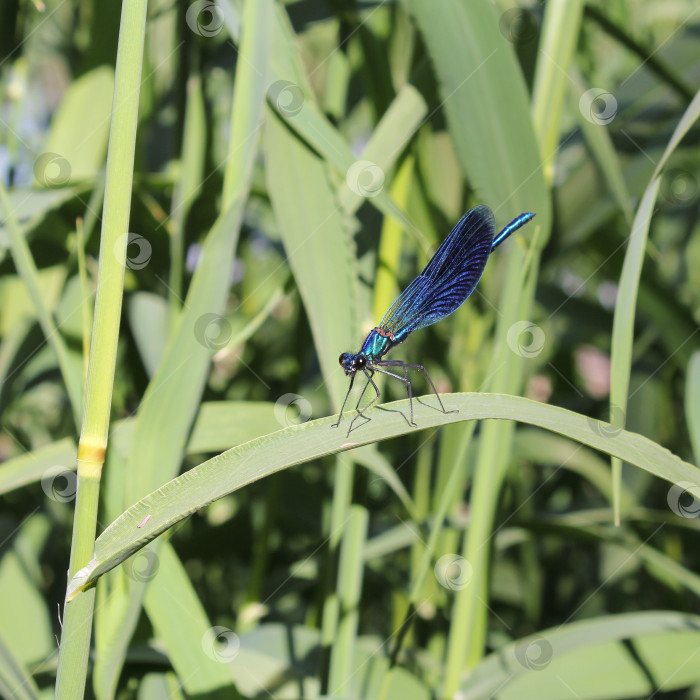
x=447, y=280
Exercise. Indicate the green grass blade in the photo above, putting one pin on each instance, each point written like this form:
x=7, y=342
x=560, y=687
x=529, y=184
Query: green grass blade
x=291, y=96
x=625, y=306
x=562, y=21
x=78, y=619
x=561, y=24
x=188, y=185
x=318, y=247
x=27, y=270
x=147, y=314
x=386, y=287
x=350, y=576
x=598, y=138
x=171, y=399
x=189, y=634
x=388, y=141
x=513, y=661
x=80, y=128
x=495, y=141
x=649, y=56
x=15, y=681
x=558, y=452
x=46, y=462
x=266, y=455
x=692, y=404
x=623, y=324
x=690, y=116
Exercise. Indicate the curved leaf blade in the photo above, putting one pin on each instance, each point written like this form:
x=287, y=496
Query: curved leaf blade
x=268, y=454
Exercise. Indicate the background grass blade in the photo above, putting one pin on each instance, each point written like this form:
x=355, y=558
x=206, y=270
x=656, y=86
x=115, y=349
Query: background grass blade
x=625, y=306
x=318, y=247
x=171, y=589
x=390, y=138
x=510, y=664
x=623, y=323
x=560, y=31
x=15, y=681
x=470, y=55
x=71, y=370
x=693, y=404
x=171, y=400
x=28, y=468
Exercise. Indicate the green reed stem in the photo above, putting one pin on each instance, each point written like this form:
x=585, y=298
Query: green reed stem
x=77, y=623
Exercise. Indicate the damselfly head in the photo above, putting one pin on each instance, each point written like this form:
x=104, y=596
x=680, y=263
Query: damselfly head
x=351, y=362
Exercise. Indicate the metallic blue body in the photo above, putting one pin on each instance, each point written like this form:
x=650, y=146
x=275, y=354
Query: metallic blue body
x=376, y=346
x=512, y=226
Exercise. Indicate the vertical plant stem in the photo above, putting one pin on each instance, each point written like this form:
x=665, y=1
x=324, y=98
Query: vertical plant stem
x=389, y=255
x=84, y=294
x=77, y=624
x=469, y=629
x=562, y=21
x=342, y=496
x=349, y=589
x=187, y=188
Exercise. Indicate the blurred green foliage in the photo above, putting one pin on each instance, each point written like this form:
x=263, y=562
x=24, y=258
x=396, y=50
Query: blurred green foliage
x=571, y=605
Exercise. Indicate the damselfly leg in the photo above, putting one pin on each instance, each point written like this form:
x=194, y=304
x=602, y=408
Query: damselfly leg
x=360, y=412
x=345, y=400
x=405, y=366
